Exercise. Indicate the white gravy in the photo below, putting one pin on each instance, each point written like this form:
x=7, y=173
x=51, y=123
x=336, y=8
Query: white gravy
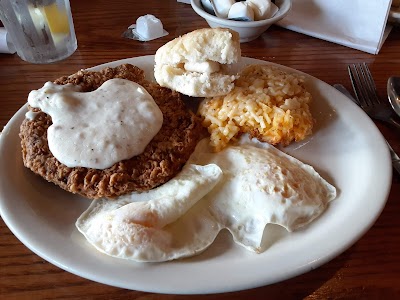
x=100, y=128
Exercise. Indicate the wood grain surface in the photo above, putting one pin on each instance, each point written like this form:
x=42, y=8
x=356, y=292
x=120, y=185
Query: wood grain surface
x=370, y=269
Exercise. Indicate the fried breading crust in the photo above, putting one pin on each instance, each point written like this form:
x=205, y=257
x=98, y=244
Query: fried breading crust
x=162, y=159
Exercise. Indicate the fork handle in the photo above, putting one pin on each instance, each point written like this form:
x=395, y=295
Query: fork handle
x=396, y=165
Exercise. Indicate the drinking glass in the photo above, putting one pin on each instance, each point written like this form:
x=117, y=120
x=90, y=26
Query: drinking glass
x=42, y=31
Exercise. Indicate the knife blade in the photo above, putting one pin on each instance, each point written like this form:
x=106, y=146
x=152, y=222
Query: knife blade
x=393, y=154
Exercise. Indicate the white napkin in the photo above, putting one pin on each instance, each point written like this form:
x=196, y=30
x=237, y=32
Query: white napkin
x=6, y=46
x=359, y=24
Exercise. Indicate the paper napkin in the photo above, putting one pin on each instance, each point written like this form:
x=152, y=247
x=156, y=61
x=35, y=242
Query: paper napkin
x=357, y=24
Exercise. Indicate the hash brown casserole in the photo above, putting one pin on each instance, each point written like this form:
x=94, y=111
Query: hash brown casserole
x=267, y=102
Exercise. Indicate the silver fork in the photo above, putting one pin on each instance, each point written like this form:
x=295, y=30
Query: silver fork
x=367, y=96
x=393, y=154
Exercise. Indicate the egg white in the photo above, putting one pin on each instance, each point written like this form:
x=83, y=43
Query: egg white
x=262, y=185
x=145, y=226
x=242, y=188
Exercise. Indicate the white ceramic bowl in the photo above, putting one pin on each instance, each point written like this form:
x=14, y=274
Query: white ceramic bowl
x=248, y=31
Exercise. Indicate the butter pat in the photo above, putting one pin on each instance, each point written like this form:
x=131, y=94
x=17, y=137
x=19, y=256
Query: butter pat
x=223, y=7
x=263, y=9
x=241, y=11
x=147, y=28
x=202, y=67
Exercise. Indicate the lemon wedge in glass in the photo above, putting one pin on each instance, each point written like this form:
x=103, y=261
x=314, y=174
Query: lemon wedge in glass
x=57, y=19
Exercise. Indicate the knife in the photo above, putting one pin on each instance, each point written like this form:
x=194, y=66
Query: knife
x=393, y=154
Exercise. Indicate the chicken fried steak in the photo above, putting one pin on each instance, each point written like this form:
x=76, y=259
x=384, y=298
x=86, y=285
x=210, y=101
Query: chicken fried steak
x=162, y=159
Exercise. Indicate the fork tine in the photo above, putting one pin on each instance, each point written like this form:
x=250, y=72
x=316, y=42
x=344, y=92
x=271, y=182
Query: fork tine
x=371, y=84
x=363, y=84
x=367, y=97
x=356, y=83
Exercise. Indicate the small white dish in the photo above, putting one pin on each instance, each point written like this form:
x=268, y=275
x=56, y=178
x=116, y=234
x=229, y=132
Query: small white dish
x=248, y=30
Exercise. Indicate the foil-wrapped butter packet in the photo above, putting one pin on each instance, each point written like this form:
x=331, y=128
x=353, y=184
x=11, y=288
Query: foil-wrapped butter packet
x=147, y=28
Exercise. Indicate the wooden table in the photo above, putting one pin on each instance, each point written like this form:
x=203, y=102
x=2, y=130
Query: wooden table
x=369, y=269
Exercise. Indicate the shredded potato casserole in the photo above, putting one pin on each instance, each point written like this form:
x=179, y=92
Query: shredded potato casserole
x=267, y=102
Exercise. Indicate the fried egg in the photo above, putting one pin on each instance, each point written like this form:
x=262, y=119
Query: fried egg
x=262, y=185
x=146, y=226
x=242, y=189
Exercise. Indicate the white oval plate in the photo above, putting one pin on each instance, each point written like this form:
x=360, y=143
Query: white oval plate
x=346, y=148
